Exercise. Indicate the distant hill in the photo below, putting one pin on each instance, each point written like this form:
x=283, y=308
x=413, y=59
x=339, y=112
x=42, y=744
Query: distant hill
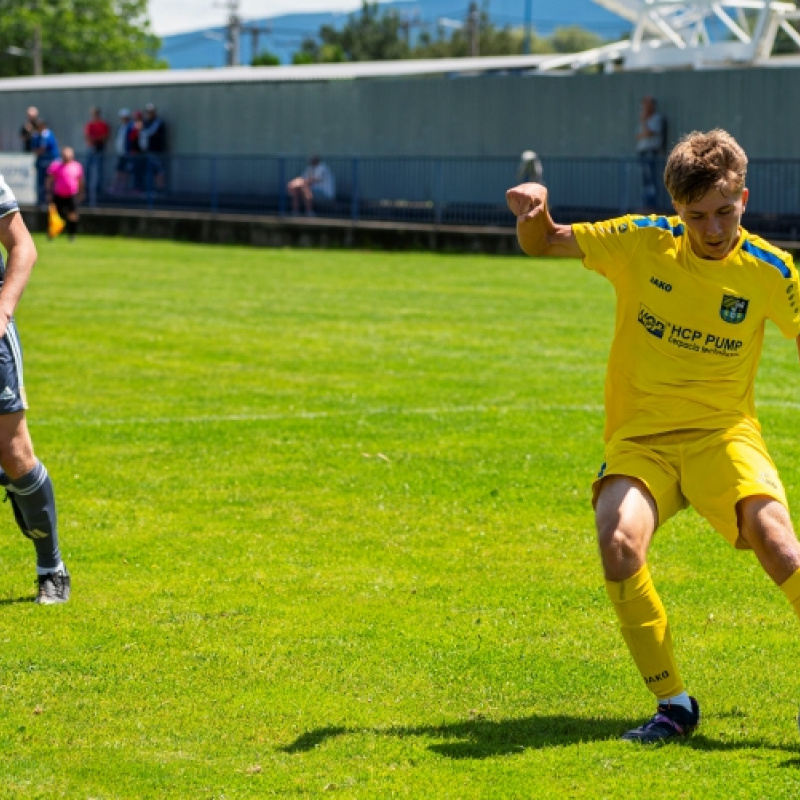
x=206, y=48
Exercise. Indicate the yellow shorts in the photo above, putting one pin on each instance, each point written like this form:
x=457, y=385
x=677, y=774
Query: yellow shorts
x=710, y=470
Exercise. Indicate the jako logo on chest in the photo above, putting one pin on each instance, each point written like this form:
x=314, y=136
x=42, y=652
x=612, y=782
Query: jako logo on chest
x=659, y=284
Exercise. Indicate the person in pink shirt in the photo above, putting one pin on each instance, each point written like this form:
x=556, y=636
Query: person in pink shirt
x=66, y=188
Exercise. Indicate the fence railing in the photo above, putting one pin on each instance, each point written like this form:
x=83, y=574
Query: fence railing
x=448, y=190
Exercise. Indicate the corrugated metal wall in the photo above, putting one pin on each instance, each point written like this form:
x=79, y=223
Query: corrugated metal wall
x=558, y=115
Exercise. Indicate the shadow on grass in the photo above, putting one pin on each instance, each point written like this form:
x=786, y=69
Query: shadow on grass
x=10, y=601
x=479, y=738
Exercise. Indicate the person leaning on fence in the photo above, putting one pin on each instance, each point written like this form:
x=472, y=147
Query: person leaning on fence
x=649, y=145
x=317, y=181
x=66, y=189
x=124, y=167
x=693, y=294
x=153, y=142
x=95, y=134
x=28, y=129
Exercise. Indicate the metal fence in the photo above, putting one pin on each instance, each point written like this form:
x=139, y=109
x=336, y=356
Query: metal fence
x=457, y=191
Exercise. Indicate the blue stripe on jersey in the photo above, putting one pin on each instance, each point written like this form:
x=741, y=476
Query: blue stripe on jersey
x=769, y=258
x=7, y=208
x=659, y=222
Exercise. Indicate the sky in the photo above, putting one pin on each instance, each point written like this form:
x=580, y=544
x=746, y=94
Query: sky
x=177, y=16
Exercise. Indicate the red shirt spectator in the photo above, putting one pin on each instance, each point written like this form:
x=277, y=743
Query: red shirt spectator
x=96, y=131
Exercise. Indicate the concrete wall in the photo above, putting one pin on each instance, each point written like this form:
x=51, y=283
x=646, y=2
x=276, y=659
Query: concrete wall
x=558, y=115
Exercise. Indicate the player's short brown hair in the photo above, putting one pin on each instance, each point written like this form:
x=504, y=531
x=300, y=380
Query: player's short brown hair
x=704, y=161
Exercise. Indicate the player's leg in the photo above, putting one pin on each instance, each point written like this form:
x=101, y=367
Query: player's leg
x=626, y=517
x=734, y=484
x=25, y=479
x=30, y=490
x=627, y=512
x=765, y=526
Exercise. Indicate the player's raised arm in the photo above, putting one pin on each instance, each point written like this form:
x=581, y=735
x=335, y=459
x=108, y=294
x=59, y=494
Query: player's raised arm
x=538, y=235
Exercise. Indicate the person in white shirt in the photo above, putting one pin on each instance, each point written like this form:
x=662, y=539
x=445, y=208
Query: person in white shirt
x=316, y=181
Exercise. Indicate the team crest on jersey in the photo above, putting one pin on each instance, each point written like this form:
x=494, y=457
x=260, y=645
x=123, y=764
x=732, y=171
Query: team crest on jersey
x=733, y=309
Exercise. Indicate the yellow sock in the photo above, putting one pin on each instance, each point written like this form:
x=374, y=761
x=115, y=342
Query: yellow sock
x=644, y=627
x=791, y=588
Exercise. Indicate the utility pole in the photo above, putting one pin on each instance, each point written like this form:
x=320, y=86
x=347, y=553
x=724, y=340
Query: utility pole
x=233, y=34
x=474, y=26
x=526, y=38
x=255, y=32
x=37, y=50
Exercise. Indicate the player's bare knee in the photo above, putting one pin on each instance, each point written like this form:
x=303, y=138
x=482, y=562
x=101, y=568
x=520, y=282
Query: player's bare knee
x=619, y=546
x=16, y=453
x=763, y=519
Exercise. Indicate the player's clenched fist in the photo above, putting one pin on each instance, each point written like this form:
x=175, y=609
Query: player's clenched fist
x=526, y=199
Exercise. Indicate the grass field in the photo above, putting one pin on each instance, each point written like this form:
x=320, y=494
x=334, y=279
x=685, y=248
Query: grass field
x=328, y=520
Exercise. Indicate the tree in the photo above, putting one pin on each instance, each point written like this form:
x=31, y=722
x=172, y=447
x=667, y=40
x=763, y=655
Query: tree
x=76, y=36
x=374, y=35
x=371, y=35
x=574, y=39
x=476, y=36
x=265, y=59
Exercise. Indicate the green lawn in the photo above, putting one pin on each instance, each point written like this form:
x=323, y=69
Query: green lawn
x=327, y=516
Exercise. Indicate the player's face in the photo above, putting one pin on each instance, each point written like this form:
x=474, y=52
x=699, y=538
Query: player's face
x=712, y=223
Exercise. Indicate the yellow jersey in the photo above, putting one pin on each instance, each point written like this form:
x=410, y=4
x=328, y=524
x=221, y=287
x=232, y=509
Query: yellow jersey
x=688, y=331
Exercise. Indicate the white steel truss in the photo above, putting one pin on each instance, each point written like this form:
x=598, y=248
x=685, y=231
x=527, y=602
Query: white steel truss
x=674, y=34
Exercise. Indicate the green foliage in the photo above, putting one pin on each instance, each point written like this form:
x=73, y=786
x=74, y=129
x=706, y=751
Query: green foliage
x=265, y=59
x=371, y=35
x=375, y=35
x=574, y=39
x=328, y=519
x=77, y=36
x=785, y=44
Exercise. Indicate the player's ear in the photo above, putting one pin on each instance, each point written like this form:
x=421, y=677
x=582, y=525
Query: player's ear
x=745, y=196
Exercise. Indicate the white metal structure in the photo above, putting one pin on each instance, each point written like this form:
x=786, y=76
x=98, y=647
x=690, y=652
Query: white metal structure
x=695, y=33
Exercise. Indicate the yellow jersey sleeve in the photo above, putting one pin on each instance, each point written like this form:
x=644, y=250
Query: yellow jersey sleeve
x=608, y=246
x=783, y=307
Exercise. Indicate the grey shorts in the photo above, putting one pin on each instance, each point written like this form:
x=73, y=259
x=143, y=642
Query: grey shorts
x=12, y=386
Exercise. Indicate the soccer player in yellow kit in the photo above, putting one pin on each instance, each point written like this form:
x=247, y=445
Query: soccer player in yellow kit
x=693, y=294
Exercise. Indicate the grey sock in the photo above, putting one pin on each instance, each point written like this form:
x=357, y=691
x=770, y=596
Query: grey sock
x=35, y=511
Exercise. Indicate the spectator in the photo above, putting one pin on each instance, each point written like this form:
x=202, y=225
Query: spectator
x=134, y=151
x=530, y=168
x=649, y=145
x=66, y=188
x=45, y=146
x=316, y=182
x=28, y=128
x=153, y=141
x=124, y=167
x=96, y=135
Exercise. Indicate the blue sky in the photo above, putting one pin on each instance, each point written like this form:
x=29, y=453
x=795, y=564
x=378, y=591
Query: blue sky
x=175, y=16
